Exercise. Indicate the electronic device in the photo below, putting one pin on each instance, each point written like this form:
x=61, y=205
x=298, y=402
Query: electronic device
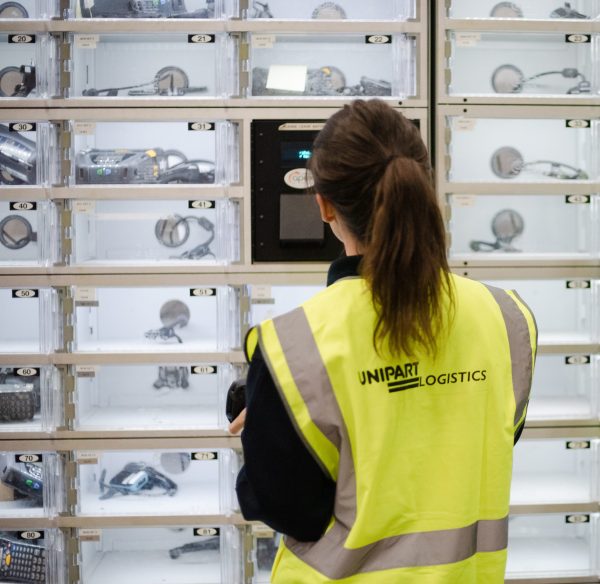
x=143, y=9
x=168, y=81
x=152, y=166
x=510, y=79
x=207, y=544
x=172, y=376
x=19, y=396
x=21, y=561
x=16, y=232
x=135, y=479
x=507, y=225
x=26, y=478
x=173, y=314
x=236, y=399
x=17, y=158
x=13, y=10
x=174, y=231
x=511, y=10
x=17, y=81
x=508, y=162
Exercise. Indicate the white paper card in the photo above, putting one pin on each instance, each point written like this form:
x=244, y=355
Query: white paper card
x=287, y=77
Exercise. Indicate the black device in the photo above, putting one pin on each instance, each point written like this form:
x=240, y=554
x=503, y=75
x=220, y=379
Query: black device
x=208, y=544
x=236, y=399
x=144, y=9
x=17, y=158
x=19, y=396
x=26, y=478
x=17, y=81
x=21, y=561
x=151, y=166
x=137, y=478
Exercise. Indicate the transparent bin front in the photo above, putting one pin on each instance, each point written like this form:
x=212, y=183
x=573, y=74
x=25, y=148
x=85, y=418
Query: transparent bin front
x=564, y=388
x=165, y=319
x=513, y=64
x=552, y=546
x=28, y=397
x=28, y=320
x=155, y=482
x=32, y=556
x=27, y=153
x=205, y=9
x=340, y=10
x=523, y=150
x=142, y=397
x=30, y=484
x=524, y=227
x=27, y=233
x=332, y=65
x=271, y=301
x=179, y=554
x=27, y=9
x=265, y=543
x=150, y=232
x=554, y=471
x=28, y=64
x=565, y=310
x=150, y=153
x=153, y=65
x=529, y=9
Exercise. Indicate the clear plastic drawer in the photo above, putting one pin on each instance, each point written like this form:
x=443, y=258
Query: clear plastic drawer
x=27, y=153
x=271, y=301
x=559, y=470
x=205, y=9
x=153, y=482
x=513, y=64
x=564, y=388
x=565, y=310
x=28, y=322
x=179, y=554
x=33, y=556
x=523, y=150
x=154, y=65
x=523, y=227
x=142, y=397
x=27, y=9
x=340, y=10
x=552, y=546
x=150, y=232
x=29, y=484
x=173, y=319
x=28, y=64
x=28, y=398
x=529, y=9
x=27, y=233
x=333, y=65
x=265, y=542
x=150, y=153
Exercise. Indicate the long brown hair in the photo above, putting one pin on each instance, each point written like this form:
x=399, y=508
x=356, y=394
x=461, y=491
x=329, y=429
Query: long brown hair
x=370, y=163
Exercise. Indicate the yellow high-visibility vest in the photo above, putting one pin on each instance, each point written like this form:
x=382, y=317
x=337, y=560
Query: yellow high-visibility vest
x=420, y=448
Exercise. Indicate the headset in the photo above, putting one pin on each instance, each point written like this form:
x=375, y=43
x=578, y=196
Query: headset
x=511, y=10
x=506, y=226
x=507, y=162
x=168, y=81
x=16, y=232
x=17, y=81
x=13, y=10
x=174, y=231
x=144, y=9
x=510, y=79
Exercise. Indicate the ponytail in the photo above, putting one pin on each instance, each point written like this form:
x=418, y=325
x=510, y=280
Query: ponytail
x=369, y=161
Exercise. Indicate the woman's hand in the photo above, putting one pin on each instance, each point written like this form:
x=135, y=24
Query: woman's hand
x=238, y=424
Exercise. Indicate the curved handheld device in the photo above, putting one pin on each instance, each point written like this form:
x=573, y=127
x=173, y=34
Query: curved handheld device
x=507, y=162
x=507, y=225
x=510, y=79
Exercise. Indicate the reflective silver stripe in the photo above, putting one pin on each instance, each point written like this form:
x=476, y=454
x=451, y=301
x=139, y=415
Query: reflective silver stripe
x=520, y=348
x=428, y=548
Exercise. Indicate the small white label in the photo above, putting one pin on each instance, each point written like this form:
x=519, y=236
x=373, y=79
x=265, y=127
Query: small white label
x=84, y=128
x=464, y=200
x=464, y=124
x=87, y=458
x=467, y=39
x=86, y=370
x=260, y=292
x=85, y=294
x=263, y=41
x=90, y=534
x=299, y=178
x=287, y=77
x=262, y=531
x=86, y=41
x=203, y=456
x=85, y=207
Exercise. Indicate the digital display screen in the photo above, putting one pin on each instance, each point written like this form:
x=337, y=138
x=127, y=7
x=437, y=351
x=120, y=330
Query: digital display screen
x=296, y=152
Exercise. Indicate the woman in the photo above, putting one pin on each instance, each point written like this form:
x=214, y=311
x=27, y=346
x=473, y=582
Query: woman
x=382, y=413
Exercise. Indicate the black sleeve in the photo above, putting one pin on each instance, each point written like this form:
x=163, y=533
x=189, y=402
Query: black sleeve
x=280, y=484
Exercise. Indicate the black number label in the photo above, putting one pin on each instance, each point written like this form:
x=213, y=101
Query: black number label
x=378, y=39
x=23, y=206
x=21, y=38
x=201, y=38
x=21, y=127
x=25, y=293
